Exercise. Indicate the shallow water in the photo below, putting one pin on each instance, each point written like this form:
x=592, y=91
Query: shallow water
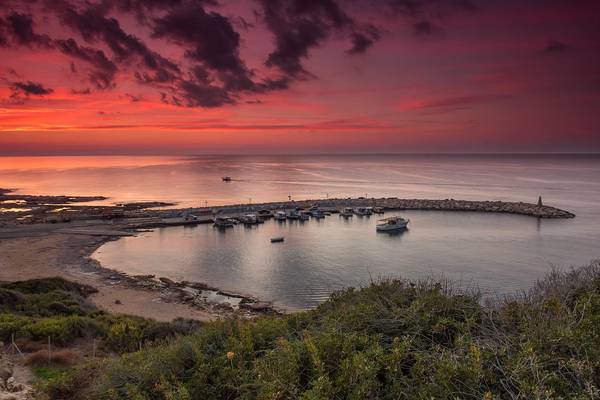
x=498, y=253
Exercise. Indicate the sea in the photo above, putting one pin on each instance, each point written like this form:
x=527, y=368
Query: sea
x=497, y=254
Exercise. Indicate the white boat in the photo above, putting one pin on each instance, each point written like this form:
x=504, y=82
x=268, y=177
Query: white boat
x=249, y=219
x=223, y=222
x=363, y=211
x=347, y=212
x=392, y=224
x=280, y=216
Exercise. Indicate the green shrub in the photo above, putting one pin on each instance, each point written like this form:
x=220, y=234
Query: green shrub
x=390, y=340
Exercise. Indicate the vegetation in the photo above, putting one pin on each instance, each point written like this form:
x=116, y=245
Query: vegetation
x=54, y=308
x=390, y=340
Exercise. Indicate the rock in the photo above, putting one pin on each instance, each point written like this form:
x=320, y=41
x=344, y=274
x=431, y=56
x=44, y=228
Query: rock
x=6, y=371
x=118, y=302
x=167, y=281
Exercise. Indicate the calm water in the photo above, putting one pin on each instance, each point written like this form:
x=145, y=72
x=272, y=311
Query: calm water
x=499, y=253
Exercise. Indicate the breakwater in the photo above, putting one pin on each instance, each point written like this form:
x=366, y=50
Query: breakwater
x=394, y=203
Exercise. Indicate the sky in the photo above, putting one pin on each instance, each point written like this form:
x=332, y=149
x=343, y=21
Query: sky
x=298, y=76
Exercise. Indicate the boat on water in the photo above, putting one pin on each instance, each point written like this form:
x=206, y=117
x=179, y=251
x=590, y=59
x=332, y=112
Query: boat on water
x=223, y=222
x=278, y=239
x=249, y=219
x=226, y=179
x=265, y=214
x=378, y=210
x=280, y=216
x=363, y=211
x=318, y=214
x=293, y=214
x=305, y=215
x=392, y=224
x=347, y=212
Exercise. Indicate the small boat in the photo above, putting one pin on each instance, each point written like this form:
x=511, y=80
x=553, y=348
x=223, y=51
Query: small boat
x=226, y=179
x=265, y=214
x=347, y=212
x=392, y=224
x=318, y=214
x=378, y=210
x=279, y=239
x=280, y=216
x=293, y=215
x=249, y=219
x=305, y=215
x=223, y=222
x=363, y=211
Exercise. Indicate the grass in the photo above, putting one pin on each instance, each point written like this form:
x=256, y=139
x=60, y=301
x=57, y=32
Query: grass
x=391, y=340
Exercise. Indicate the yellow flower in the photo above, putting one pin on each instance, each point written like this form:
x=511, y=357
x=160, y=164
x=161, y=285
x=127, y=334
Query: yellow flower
x=230, y=355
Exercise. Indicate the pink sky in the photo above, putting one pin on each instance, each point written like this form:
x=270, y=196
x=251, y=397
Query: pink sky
x=436, y=76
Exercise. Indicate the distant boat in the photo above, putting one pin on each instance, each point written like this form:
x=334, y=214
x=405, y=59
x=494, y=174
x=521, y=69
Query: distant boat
x=305, y=215
x=392, y=224
x=277, y=239
x=249, y=219
x=378, y=210
x=280, y=216
x=347, y=212
x=293, y=215
x=363, y=211
x=223, y=222
x=226, y=179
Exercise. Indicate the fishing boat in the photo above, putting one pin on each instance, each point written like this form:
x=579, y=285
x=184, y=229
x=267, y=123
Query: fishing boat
x=278, y=239
x=318, y=214
x=305, y=215
x=392, y=224
x=347, y=212
x=293, y=214
x=363, y=211
x=249, y=219
x=223, y=222
x=226, y=179
x=280, y=216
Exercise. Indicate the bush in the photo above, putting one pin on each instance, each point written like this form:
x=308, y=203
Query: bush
x=391, y=340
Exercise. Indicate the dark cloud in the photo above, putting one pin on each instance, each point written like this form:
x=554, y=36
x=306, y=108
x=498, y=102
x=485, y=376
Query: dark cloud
x=298, y=26
x=425, y=28
x=29, y=88
x=419, y=7
x=103, y=70
x=556, y=47
x=197, y=94
x=20, y=28
x=95, y=26
x=362, y=41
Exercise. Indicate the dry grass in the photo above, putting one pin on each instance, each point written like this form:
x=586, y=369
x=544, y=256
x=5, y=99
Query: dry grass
x=62, y=357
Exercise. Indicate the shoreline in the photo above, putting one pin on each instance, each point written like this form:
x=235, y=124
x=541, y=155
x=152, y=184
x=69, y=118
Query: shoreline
x=65, y=249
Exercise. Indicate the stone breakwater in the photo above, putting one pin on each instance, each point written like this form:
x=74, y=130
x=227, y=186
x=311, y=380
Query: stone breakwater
x=393, y=203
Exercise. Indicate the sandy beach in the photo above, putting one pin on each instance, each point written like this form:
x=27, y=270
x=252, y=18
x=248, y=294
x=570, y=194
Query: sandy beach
x=42, y=251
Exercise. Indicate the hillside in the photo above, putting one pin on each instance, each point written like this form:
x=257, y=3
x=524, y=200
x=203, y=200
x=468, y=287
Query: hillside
x=392, y=339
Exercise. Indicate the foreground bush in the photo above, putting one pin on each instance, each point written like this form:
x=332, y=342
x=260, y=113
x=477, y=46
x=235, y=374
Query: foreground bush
x=391, y=340
x=54, y=308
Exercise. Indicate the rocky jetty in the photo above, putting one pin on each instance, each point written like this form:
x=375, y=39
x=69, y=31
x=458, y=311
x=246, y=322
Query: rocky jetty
x=394, y=203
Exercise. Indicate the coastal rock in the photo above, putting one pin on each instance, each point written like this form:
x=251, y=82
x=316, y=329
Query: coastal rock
x=167, y=281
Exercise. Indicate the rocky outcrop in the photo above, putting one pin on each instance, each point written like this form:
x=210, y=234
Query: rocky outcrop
x=10, y=389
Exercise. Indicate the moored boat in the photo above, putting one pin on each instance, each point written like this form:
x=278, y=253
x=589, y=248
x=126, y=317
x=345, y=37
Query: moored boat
x=347, y=212
x=278, y=239
x=223, y=222
x=293, y=214
x=378, y=210
x=280, y=216
x=392, y=224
